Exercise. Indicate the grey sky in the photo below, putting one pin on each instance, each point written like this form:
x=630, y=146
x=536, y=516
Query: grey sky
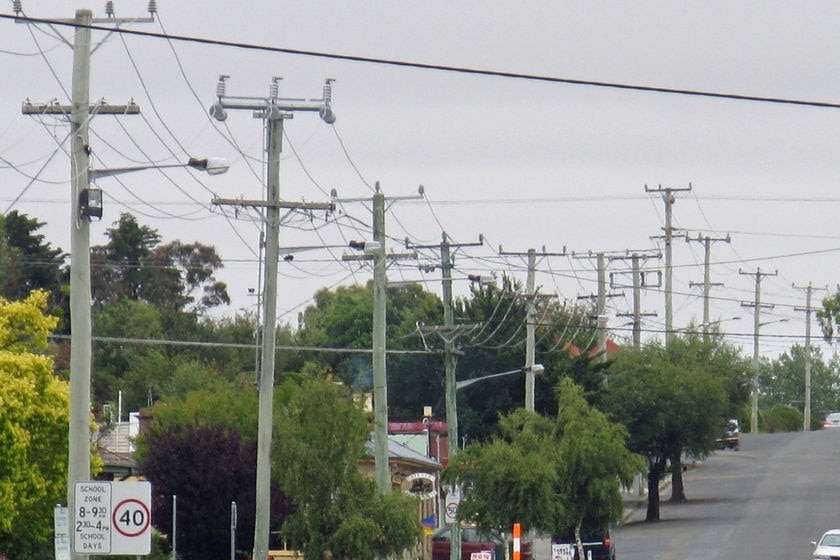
x=526, y=163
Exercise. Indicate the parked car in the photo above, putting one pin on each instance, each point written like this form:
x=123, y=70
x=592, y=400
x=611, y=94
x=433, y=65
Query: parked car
x=597, y=545
x=473, y=541
x=832, y=420
x=731, y=437
x=828, y=546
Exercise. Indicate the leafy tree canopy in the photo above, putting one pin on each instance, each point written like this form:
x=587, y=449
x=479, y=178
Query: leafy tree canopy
x=33, y=433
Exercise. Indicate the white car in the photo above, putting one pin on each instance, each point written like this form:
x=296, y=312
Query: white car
x=832, y=420
x=828, y=546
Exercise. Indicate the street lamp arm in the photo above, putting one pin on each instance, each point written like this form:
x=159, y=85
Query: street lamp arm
x=213, y=166
x=536, y=369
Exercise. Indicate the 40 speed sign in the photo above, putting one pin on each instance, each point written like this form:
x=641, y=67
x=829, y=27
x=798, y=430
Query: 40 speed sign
x=112, y=518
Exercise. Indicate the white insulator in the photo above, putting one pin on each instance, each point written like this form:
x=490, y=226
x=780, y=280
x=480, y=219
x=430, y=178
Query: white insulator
x=17, y=7
x=152, y=6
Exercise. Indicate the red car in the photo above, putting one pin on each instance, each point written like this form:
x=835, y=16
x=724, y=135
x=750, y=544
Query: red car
x=485, y=547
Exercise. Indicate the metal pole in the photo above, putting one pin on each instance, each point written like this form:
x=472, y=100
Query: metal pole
x=669, y=198
x=380, y=387
x=233, y=531
x=274, y=123
x=637, y=304
x=78, y=466
x=756, y=327
x=807, y=412
x=530, y=327
x=174, y=527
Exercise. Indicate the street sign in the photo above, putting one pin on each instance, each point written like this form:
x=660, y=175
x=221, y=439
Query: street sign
x=61, y=523
x=112, y=518
x=450, y=506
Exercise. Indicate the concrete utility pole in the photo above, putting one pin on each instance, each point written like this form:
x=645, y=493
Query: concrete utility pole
x=450, y=358
x=707, y=284
x=272, y=110
x=757, y=306
x=376, y=252
x=669, y=198
x=809, y=290
x=78, y=466
x=600, y=300
x=639, y=281
x=531, y=322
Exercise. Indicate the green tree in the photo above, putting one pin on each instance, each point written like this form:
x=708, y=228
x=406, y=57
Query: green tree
x=33, y=431
x=547, y=475
x=672, y=400
x=322, y=435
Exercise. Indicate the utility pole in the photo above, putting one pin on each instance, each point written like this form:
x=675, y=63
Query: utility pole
x=449, y=362
x=531, y=322
x=809, y=290
x=639, y=281
x=669, y=198
x=707, y=284
x=757, y=306
x=78, y=465
x=274, y=111
x=600, y=300
x=376, y=252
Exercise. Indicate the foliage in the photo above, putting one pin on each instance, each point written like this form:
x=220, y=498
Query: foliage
x=202, y=449
x=781, y=418
x=782, y=382
x=547, y=475
x=27, y=262
x=132, y=265
x=323, y=435
x=674, y=399
x=33, y=432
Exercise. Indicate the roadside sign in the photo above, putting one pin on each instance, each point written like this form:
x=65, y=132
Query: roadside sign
x=483, y=555
x=561, y=552
x=61, y=524
x=112, y=518
x=450, y=506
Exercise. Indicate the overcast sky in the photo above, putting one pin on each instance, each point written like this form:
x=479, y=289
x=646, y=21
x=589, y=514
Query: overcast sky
x=509, y=149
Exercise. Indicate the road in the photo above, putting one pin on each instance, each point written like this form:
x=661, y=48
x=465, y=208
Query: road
x=768, y=500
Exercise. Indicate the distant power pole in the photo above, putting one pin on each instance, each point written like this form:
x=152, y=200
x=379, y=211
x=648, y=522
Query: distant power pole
x=757, y=306
x=809, y=290
x=669, y=198
x=600, y=300
x=530, y=321
x=707, y=284
x=639, y=281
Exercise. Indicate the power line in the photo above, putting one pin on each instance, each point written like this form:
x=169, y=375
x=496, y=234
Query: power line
x=442, y=67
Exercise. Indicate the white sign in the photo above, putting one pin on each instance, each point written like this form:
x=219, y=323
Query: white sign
x=112, y=518
x=561, y=552
x=483, y=555
x=61, y=523
x=450, y=506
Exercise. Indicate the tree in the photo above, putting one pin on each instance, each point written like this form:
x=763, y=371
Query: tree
x=202, y=449
x=674, y=400
x=321, y=435
x=33, y=433
x=547, y=475
x=133, y=265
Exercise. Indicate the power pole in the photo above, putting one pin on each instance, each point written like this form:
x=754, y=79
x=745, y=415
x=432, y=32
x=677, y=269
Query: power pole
x=449, y=363
x=600, y=300
x=274, y=111
x=707, y=284
x=376, y=252
x=531, y=321
x=757, y=306
x=639, y=281
x=809, y=290
x=669, y=198
x=78, y=465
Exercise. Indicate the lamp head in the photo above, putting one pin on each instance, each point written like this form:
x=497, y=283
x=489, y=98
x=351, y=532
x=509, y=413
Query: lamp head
x=217, y=111
x=327, y=115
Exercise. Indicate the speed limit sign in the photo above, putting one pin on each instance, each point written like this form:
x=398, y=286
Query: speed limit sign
x=131, y=518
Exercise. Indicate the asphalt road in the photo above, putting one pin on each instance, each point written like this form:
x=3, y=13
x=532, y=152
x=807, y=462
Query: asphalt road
x=768, y=500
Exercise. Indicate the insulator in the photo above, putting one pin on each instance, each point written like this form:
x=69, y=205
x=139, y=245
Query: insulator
x=152, y=6
x=17, y=7
x=274, y=91
x=220, y=87
x=328, y=90
x=109, y=9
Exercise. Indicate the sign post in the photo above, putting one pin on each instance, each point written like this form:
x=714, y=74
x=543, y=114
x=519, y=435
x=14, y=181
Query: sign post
x=112, y=518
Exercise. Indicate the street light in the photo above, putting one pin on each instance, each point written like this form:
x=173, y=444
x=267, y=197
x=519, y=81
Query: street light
x=88, y=204
x=536, y=369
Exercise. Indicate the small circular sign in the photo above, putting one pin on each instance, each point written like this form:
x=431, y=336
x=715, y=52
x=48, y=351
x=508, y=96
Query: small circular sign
x=131, y=517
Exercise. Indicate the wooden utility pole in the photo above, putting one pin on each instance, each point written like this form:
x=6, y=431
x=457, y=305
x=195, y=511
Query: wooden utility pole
x=757, y=306
x=707, y=284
